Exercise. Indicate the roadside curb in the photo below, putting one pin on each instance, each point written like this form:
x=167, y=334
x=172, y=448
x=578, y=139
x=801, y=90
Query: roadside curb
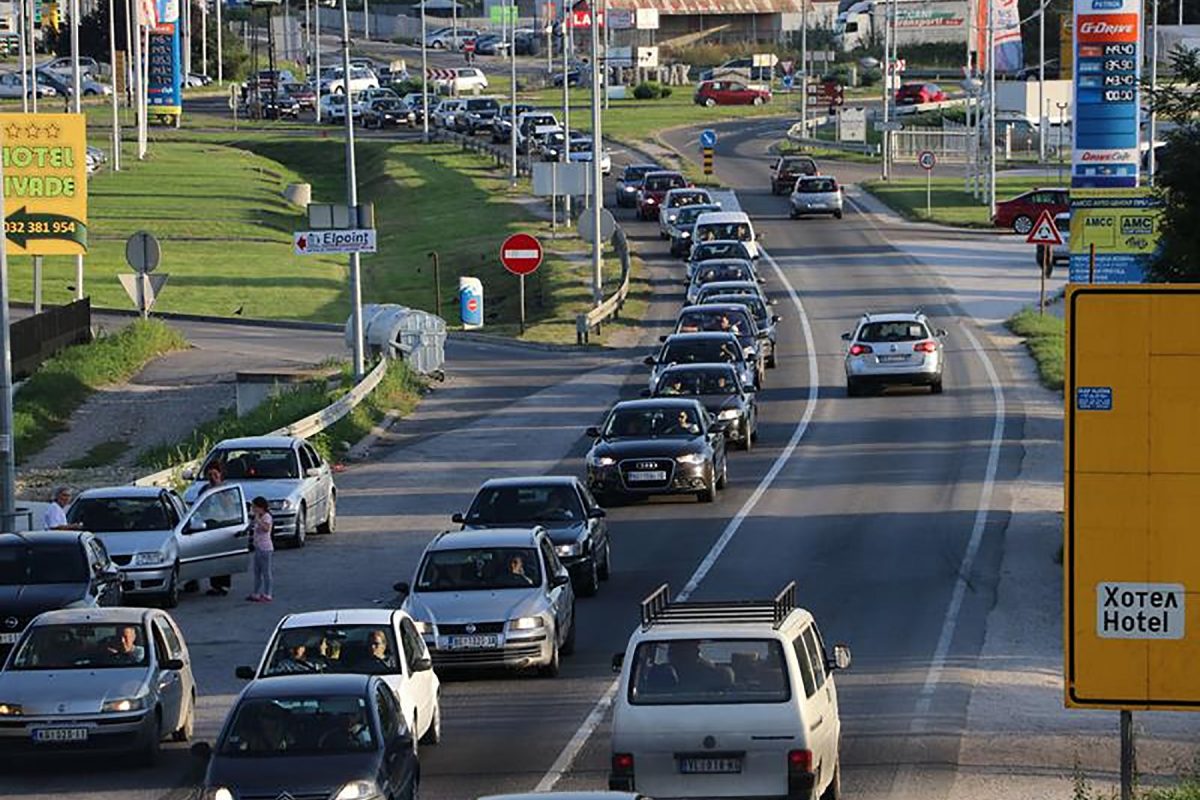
x=290, y=324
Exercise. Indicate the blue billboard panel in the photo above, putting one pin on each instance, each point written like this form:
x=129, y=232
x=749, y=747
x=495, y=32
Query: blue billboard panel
x=1107, y=111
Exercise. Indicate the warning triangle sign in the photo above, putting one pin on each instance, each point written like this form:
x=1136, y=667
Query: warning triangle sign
x=1044, y=231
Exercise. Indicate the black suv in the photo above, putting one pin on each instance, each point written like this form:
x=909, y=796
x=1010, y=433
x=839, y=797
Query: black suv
x=47, y=570
x=477, y=116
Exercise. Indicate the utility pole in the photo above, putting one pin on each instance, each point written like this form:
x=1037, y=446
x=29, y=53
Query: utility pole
x=991, y=65
x=597, y=180
x=564, y=154
x=352, y=201
x=512, y=102
x=221, y=51
x=366, y=21
x=204, y=37
x=184, y=23
x=316, y=55
x=1042, y=83
x=804, y=67
x=76, y=96
x=425, y=80
x=607, y=69
x=31, y=16
x=1151, y=156
x=887, y=87
x=8, y=467
x=112, y=59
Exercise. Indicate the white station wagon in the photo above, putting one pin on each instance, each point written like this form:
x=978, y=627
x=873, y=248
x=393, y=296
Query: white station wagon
x=727, y=700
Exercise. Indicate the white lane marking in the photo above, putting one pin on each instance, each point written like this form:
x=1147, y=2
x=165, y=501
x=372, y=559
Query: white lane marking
x=577, y=742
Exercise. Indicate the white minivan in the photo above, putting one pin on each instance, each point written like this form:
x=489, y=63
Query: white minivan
x=725, y=225
x=729, y=699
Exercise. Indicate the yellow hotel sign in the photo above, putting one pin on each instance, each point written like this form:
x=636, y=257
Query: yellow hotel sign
x=1131, y=557
x=45, y=183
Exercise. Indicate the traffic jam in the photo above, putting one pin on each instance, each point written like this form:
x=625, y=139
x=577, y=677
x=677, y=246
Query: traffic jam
x=341, y=701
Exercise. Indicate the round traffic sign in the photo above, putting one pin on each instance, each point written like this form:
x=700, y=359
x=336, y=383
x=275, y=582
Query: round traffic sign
x=142, y=252
x=927, y=159
x=521, y=254
x=587, y=229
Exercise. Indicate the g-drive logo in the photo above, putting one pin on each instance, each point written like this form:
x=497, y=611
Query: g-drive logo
x=1104, y=29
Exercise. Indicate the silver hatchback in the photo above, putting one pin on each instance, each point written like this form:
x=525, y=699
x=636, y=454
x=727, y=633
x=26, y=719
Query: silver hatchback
x=886, y=349
x=816, y=194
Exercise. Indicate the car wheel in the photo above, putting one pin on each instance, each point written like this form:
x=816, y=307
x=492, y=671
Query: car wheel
x=837, y=215
x=329, y=526
x=170, y=597
x=852, y=388
x=589, y=580
x=301, y=534
x=153, y=744
x=434, y=734
x=568, y=645
x=1022, y=224
x=89, y=92
x=834, y=790
x=936, y=386
x=709, y=494
x=188, y=727
x=723, y=480
x=772, y=362
x=746, y=443
x=793, y=214
x=709, y=102
x=605, y=570
x=758, y=101
x=550, y=669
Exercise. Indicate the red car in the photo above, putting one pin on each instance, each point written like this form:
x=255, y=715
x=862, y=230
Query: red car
x=913, y=94
x=729, y=93
x=654, y=188
x=1021, y=212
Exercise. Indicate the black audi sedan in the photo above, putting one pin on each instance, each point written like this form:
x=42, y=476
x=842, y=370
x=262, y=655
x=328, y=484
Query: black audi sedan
x=321, y=735
x=564, y=507
x=657, y=446
x=718, y=387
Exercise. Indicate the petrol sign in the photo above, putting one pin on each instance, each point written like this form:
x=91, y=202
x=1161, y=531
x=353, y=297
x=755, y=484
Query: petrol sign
x=1131, y=557
x=1106, y=109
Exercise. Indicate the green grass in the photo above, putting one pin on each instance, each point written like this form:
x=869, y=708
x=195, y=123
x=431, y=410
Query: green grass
x=46, y=401
x=101, y=455
x=399, y=390
x=1044, y=336
x=951, y=205
x=827, y=153
x=1188, y=789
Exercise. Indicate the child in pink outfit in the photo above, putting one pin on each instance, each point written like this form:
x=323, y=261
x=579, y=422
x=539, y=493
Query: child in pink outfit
x=264, y=549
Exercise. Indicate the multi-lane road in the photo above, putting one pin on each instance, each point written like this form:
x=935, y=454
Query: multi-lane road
x=890, y=512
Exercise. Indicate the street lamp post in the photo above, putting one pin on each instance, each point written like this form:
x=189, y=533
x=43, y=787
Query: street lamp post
x=221, y=52
x=76, y=96
x=597, y=180
x=1150, y=156
x=112, y=59
x=352, y=200
x=424, y=79
x=1041, y=82
x=991, y=64
x=512, y=101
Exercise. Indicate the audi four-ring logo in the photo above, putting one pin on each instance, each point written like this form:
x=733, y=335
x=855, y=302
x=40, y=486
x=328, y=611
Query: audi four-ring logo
x=470, y=627
x=647, y=465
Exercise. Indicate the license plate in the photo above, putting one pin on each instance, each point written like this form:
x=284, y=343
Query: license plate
x=885, y=359
x=60, y=734
x=710, y=766
x=655, y=475
x=482, y=642
x=9, y=638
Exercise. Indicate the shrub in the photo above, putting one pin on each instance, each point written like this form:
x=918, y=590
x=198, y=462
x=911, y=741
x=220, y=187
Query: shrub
x=648, y=90
x=666, y=92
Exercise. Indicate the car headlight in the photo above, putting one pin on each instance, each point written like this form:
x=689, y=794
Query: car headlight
x=422, y=626
x=672, y=218
x=281, y=505
x=149, y=558
x=601, y=461
x=690, y=458
x=219, y=793
x=650, y=200
x=629, y=189
x=567, y=549
x=124, y=704
x=526, y=624
x=686, y=234
x=357, y=790
x=11, y=710
x=729, y=413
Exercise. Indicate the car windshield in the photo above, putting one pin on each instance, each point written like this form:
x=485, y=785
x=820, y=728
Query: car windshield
x=82, y=646
x=739, y=231
x=680, y=199
x=483, y=568
x=482, y=105
x=652, y=423
x=722, y=272
x=711, y=250
x=257, y=463
x=709, y=672
x=662, y=183
x=698, y=381
x=814, y=185
x=118, y=514
x=291, y=726
x=581, y=145
x=357, y=649
x=28, y=564
x=388, y=105
x=901, y=331
x=711, y=351
x=751, y=301
x=697, y=320
x=504, y=505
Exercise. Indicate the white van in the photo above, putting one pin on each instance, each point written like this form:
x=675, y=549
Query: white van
x=725, y=225
x=729, y=699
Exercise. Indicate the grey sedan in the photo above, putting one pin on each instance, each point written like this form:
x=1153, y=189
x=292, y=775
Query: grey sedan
x=98, y=679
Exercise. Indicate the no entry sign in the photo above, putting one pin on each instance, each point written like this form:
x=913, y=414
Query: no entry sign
x=521, y=254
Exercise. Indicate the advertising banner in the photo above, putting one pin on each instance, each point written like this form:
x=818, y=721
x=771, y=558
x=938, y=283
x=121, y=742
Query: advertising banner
x=164, y=88
x=1005, y=19
x=1124, y=227
x=1106, y=110
x=45, y=184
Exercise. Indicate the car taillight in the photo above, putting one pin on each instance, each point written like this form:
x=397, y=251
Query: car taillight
x=927, y=346
x=799, y=761
x=860, y=349
x=622, y=763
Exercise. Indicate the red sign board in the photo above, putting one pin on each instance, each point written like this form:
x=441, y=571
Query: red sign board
x=521, y=254
x=582, y=18
x=469, y=46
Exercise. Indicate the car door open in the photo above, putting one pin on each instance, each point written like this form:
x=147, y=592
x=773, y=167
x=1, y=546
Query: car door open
x=212, y=535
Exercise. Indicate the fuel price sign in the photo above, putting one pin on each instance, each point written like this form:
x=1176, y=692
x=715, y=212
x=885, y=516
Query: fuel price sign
x=1107, y=111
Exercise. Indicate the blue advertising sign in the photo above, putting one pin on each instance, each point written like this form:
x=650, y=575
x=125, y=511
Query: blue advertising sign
x=1107, y=111
x=164, y=86
x=470, y=302
x=708, y=138
x=1094, y=398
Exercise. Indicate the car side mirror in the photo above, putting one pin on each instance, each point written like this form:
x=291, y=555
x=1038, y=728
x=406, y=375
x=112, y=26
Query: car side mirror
x=457, y=517
x=202, y=751
x=618, y=661
x=559, y=580
x=597, y=513
x=846, y=336
x=841, y=657
x=244, y=673
x=649, y=361
x=195, y=524
x=312, y=472
x=401, y=587
x=662, y=338
x=171, y=663
x=592, y=432
x=720, y=426
x=422, y=664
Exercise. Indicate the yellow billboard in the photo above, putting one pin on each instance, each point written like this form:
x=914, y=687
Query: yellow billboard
x=1131, y=556
x=45, y=183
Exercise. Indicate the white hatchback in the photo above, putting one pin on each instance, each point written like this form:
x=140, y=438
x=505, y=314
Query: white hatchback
x=727, y=700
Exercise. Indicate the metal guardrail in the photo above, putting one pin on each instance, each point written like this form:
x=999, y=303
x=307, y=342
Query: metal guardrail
x=501, y=153
x=585, y=324
x=303, y=428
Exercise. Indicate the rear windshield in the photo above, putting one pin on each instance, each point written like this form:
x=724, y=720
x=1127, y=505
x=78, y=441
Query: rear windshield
x=902, y=331
x=662, y=183
x=728, y=249
x=482, y=105
x=705, y=352
x=636, y=173
x=814, y=185
x=505, y=505
x=799, y=166
x=709, y=672
x=738, y=231
x=24, y=565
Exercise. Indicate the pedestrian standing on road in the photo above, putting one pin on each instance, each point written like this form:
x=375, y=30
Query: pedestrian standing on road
x=264, y=550
x=55, y=516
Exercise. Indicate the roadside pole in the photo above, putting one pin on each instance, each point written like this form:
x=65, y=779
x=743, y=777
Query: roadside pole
x=221, y=52
x=1047, y=265
x=597, y=179
x=8, y=468
x=352, y=200
x=1042, y=83
x=112, y=59
x=1150, y=156
x=512, y=102
x=887, y=84
x=22, y=55
x=139, y=78
x=605, y=83
x=566, y=126
x=1128, y=755
x=453, y=23
x=76, y=98
x=31, y=27
x=316, y=55
x=1062, y=107
x=991, y=63
x=204, y=35
x=424, y=79
x=366, y=20
x=804, y=68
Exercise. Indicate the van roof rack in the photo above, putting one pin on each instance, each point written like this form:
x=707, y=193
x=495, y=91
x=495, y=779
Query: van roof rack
x=657, y=609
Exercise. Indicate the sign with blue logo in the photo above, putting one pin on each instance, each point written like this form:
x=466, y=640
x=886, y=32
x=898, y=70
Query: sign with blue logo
x=164, y=86
x=1120, y=227
x=708, y=138
x=470, y=302
x=1107, y=112
x=788, y=81
x=1093, y=398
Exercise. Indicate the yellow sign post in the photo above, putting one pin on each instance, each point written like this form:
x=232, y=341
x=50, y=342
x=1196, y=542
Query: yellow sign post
x=1131, y=556
x=45, y=183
